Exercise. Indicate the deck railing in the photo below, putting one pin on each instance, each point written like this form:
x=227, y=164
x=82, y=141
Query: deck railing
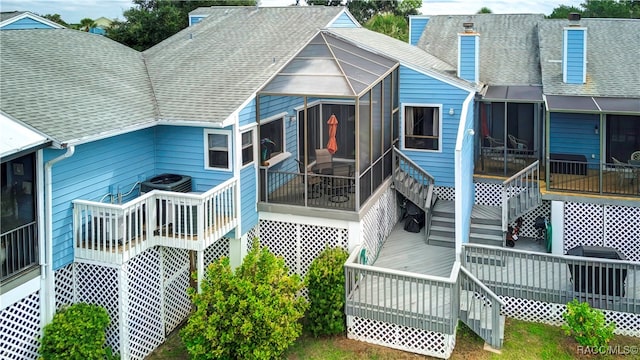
x=504, y=161
x=520, y=193
x=604, y=283
x=480, y=309
x=401, y=298
x=18, y=250
x=114, y=233
x=594, y=177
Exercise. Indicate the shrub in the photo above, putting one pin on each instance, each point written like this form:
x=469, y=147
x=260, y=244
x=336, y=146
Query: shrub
x=587, y=325
x=253, y=313
x=76, y=332
x=325, y=283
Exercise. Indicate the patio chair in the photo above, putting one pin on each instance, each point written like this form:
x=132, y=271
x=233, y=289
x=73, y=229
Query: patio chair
x=494, y=143
x=324, y=162
x=312, y=180
x=517, y=143
x=635, y=155
x=624, y=171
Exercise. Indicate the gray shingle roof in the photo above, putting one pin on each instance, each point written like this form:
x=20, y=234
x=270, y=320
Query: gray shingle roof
x=205, y=72
x=6, y=15
x=403, y=52
x=508, y=45
x=72, y=85
x=613, y=58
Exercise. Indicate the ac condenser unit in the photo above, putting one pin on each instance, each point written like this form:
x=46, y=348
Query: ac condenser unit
x=167, y=182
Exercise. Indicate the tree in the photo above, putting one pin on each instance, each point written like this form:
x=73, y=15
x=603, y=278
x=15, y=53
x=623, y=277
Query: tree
x=563, y=11
x=151, y=21
x=86, y=24
x=600, y=9
x=392, y=25
x=56, y=19
x=485, y=10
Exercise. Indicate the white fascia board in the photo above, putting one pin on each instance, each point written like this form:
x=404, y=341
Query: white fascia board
x=34, y=17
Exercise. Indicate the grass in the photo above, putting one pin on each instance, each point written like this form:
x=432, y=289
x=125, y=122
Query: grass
x=523, y=340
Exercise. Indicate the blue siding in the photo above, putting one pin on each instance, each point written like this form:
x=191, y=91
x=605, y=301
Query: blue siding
x=26, y=23
x=418, y=88
x=416, y=27
x=248, y=186
x=574, y=134
x=180, y=150
x=116, y=163
x=343, y=21
x=467, y=65
x=272, y=105
x=575, y=61
x=466, y=175
x=247, y=115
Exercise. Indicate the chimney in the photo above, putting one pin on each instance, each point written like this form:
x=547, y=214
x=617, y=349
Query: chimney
x=468, y=53
x=574, y=51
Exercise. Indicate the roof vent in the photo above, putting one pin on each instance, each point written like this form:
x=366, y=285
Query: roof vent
x=574, y=17
x=468, y=27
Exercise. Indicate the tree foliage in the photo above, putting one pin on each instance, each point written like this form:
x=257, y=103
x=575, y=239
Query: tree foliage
x=151, y=21
x=392, y=25
x=56, y=19
x=253, y=313
x=600, y=9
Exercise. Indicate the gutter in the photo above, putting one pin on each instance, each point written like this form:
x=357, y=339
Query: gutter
x=47, y=265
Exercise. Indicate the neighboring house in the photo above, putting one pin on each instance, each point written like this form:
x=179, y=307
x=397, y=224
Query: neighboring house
x=20, y=20
x=242, y=126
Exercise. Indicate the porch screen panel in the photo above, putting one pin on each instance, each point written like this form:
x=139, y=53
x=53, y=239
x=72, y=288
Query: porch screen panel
x=313, y=135
x=623, y=137
x=345, y=136
x=364, y=136
x=386, y=125
x=376, y=121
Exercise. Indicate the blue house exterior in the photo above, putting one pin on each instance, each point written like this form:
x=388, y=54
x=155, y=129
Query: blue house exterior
x=219, y=136
x=21, y=20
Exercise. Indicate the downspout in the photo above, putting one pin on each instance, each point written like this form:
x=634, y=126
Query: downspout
x=47, y=272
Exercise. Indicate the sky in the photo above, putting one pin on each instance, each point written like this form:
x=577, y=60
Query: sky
x=72, y=11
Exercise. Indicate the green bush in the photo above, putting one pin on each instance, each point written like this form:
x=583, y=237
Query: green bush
x=253, y=313
x=325, y=283
x=587, y=325
x=76, y=332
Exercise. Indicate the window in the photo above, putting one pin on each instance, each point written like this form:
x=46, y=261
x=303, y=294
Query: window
x=271, y=138
x=218, y=154
x=247, y=147
x=422, y=127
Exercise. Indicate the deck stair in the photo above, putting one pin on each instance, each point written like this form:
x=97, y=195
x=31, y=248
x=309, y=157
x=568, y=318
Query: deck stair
x=486, y=225
x=473, y=306
x=443, y=229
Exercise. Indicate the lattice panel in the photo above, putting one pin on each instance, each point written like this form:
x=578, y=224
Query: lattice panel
x=627, y=324
x=252, y=234
x=622, y=230
x=20, y=329
x=489, y=194
x=582, y=225
x=529, y=219
x=217, y=250
x=378, y=222
x=281, y=239
x=401, y=337
x=99, y=285
x=177, y=305
x=445, y=193
x=144, y=315
x=63, y=279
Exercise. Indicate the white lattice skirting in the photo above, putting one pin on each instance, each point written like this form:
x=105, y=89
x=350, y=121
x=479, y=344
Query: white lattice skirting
x=401, y=337
x=627, y=324
x=20, y=328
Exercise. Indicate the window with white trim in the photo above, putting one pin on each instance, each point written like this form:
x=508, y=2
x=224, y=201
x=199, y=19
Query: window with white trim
x=272, y=138
x=247, y=147
x=422, y=127
x=218, y=149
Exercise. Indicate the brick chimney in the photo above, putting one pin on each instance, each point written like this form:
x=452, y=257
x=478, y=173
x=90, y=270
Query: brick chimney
x=468, y=53
x=574, y=51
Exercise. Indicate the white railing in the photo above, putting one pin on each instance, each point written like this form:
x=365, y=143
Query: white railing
x=605, y=283
x=400, y=297
x=520, y=193
x=115, y=233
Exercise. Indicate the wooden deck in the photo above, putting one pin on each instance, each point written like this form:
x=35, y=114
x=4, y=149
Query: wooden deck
x=407, y=251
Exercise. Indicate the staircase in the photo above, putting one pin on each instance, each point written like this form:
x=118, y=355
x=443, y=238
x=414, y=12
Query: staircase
x=486, y=225
x=475, y=310
x=443, y=229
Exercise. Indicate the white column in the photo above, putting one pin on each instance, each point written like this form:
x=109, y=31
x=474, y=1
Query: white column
x=355, y=235
x=237, y=251
x=557, y=227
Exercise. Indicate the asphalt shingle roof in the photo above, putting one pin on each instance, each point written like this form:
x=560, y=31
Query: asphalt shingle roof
x=207, y=71
x=73, y=85
x=613, y=58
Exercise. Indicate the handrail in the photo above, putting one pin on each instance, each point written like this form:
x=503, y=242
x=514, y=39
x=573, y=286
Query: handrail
x=424, y=179
x=482, y=286
x=527, y=176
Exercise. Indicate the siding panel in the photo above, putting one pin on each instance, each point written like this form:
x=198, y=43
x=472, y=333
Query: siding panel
x=248, y=185
x=574, y=134
x=343, y=21
x=416, y=27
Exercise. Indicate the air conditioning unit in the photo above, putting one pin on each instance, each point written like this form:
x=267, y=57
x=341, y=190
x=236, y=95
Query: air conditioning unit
x=167, y=182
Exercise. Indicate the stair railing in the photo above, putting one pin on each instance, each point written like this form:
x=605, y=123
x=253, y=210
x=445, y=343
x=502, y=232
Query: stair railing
x=520, y=194
x=415, y=183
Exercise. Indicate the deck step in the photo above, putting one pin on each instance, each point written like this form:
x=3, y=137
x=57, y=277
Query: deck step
x=443, y=221
x=445, y=241
x=445, y=231
x=485, y=239
x=486, y=229
x=486, y=221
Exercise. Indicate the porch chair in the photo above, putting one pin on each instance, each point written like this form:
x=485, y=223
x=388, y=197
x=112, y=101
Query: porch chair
x=517, y=143
x=635, y=155
x=494, y=143
x=324, y=162
x=624, y=171
x=312, y=180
